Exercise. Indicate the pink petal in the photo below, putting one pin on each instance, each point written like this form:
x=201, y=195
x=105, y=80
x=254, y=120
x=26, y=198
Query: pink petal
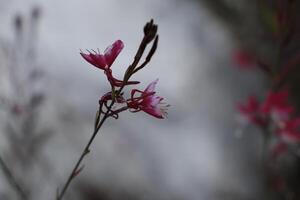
x=95, y=59
x=99, y=60
x=290, y=136
x=156, y=112
x=90, y=59
x=151, y=86
x=250, y=107
x=293, y=124
x=87, y=57
x=113, y=51
x=278, y=102
x=150, y=100
x=155, y=100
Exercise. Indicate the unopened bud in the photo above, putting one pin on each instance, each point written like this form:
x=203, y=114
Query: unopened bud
x=148, y=26
x=150, y=31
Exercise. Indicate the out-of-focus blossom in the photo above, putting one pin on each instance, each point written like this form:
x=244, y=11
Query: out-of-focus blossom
x=243, y=59
x=275, y=107
x=148, y=102
x=276, y=104
x=290, y=130
x=251, y=110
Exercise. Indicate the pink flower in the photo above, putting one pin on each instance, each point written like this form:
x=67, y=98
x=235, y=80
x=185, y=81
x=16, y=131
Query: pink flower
x=104, y=61
x=148, y=102
x=290, y=130
x=251, y=110
x=277, y=103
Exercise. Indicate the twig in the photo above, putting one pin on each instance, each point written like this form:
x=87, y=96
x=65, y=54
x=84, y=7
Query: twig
x=76, y=170
x=13, y=182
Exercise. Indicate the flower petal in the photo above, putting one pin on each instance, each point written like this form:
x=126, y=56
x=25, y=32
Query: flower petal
x=99, y=60
x=154, y=111
x=113, y=51
x=87, y=57
x=151, y=86
x=152, y=100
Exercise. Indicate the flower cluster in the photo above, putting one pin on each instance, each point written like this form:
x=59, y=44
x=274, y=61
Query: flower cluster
x=277, y=114
x=274, y=113
x=114, y=102
x=146, y=100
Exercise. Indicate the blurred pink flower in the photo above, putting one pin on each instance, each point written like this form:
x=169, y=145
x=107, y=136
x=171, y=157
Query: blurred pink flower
x=148, y=102
x=290, y=130
x=243, y=59
x=277, y=103
x=251, y=110
x=274, y=107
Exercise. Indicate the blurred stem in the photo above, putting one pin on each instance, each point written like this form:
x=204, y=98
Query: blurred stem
x=265, y=144
x=11, y=179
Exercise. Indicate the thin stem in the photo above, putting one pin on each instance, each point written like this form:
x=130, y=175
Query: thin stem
x=116, y=112
x=77, y=169
x=13, y=182
x=150, y=31
x=287, y=70
x=149, y=56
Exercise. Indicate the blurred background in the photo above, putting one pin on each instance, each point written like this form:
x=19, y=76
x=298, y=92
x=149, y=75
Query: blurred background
x=49, y=96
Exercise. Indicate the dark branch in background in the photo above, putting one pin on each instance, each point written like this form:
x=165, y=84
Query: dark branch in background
x=223, y=10
x=25, y=136
x=13, y=182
